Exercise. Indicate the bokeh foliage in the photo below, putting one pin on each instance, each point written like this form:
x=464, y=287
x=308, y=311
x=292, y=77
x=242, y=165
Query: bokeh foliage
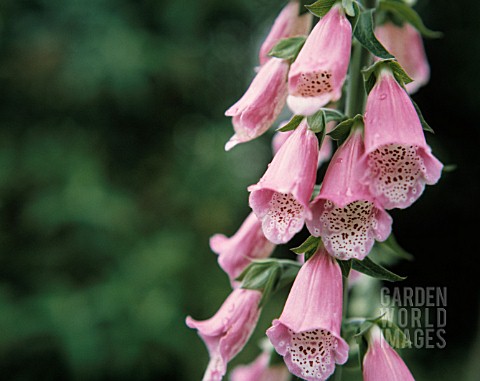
x=113, y=176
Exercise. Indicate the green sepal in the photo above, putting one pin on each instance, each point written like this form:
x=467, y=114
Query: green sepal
x=311, y=243
x=393, y=334
x=342, y=130
x=345, y=266
x=370, y=268
x=399, y=73
x=364, y=33
x=292, y=124
x=308, y=248
x=425, y=125
x=408, y=14
x=348, y=7
x=391, y=248
x=371, y=72
x=317, y=122
x=333, y=115
x=321, y=7
x=288, y=48
x=268, y=275
x=354, y=19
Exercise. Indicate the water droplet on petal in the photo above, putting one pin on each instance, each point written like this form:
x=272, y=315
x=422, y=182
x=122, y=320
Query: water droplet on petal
x=383, y=97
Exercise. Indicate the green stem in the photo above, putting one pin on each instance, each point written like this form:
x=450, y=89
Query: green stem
x=356, y=96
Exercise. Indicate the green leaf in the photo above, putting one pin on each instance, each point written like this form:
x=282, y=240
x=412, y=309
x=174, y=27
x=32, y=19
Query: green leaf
x=348, y=7
x=425, y=125
x=288, y=48
x=391, y=246
x=268, y=275
x=408, y=14
x=368, y=267
x=345, y=266
x=321, y=7
x=364, y=34
x=309, y=244
x=393, y=334
x=317, y=122
x=292, y=124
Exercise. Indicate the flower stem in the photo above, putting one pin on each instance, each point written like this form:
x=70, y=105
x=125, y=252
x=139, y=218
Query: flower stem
x=355, y=102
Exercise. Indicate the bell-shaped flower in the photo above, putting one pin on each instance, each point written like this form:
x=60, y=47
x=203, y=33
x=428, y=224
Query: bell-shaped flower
x=317, y=75
x=236, y=253
x=280, y=199
x=381, y=362
x=307, y=334
x=399, y=160
x=255, y=112
x=326, y=149
x=261, y=370
x=227, y=332
x=344, y=213
x=289, y=23
x=406, y=44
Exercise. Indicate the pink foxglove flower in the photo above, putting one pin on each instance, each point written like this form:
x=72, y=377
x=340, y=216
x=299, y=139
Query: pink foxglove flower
x=280, y=199
x=325, y=150
x=255, y=112
x=406, y=44
x=307, y=333
x=288, y=24
x=399, y=160
x=344, y=213
x=227, y=332
x=317, y=75
x=236, y=253
x=260, y=370
x=381, y=362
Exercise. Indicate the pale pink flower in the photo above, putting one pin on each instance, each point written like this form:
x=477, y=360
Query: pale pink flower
x=399, y=160
x=344, y=213
x=280, y=199
x=317, y=75
x=325, y=150
x=381, y=362
x=227, y=332
x=307, y=334
x=260, y=370
x=287, y=24
x=255, y=112
x=406, y=44
x=236, y=253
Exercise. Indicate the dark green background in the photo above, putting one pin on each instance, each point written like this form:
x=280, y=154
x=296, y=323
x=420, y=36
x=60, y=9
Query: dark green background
x=113, y=177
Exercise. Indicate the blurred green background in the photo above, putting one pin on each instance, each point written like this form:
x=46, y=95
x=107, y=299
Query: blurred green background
x=113, y=177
